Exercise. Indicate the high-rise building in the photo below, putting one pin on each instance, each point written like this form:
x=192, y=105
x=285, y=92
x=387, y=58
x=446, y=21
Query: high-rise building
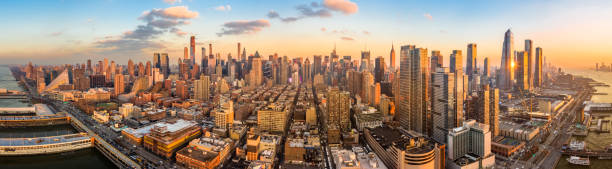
x=379, y=69
x=479, y=106
x=181, y=89
x=224, y=116
x=148, y=69
x=317, y=64
x=156, y=60
x=537, y=79
x=165, y=65
x=131, y=68
x=119, y=84
x=529, y=63
x=257, y=73
x=485, y=67
x=437, y=60
x=494, y=111
x=392, y=58
x=201, y=88
x=413, y=99
x=192, y=50
x=365, y=55
x=471, y=138
x=307, y=72
x=338, y=109
x=272, y=119
x=522, y=81
x=444, y=112
x=471, y=65
x=458, y=91
x=238, y=53
x=505, y=80
x=185, y=53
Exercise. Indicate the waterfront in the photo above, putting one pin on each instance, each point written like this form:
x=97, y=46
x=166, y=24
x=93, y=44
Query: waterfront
x=85, y=158
x=594, y=141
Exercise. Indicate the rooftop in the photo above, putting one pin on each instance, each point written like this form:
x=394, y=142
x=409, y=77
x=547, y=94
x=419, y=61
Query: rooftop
x=43, y=140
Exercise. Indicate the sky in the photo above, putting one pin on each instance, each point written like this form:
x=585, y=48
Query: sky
x=572, y=33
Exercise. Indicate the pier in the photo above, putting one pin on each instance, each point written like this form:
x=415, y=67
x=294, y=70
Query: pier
x=28, y=121
x=44, y=145
x=599, y=154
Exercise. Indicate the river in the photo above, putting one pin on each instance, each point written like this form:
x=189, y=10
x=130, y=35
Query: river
x=594, y=141
x=89, y=158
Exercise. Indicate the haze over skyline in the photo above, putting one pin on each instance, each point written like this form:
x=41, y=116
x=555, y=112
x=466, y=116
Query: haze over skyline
x=56, y=32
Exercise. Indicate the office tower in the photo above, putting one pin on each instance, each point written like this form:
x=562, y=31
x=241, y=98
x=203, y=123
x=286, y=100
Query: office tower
x=96, y=81
x=414, y=75
x=392, y=58
x=131, y=68
x=367, y=80
x=307, y=72
x=317, y=64
x=238, y=53
x=148, y=69
x=485, y=67
x=141, y=69
x=338, y=109
x=374, y=94
x=185, y=53
x=257, y=72
x=201, y=88
x=458, y=91
x=192, y=50
x=379, y=69
x=104, y=65
x=494, y=111
x=537, y=79
x=284, y=71
x=210, y=50
x=165, y=65
x=478, y=107
x=444, y=112
x=529, y=64
x=505, y=81
x=522, y=71
x=119, y=84
x=471, y=66
x=437, y=60
x=243, y=56
x=89, y=68
x=354, y=83
x=156, y=60
x=365, y=55
x=471, y=139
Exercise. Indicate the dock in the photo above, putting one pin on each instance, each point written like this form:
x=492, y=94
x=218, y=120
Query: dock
x=44, y=145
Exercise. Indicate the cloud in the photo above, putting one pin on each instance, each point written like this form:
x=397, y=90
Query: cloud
x=172, y=2
x=320, y=10
x=243, y=27
x=443, y=31
x=310, y=11
x=366, y=32
x=345, y=6
x=428, y=16
x=55, y=34
x=323, y=29
x=347, y=38
x=223, y=8
x=144, y=36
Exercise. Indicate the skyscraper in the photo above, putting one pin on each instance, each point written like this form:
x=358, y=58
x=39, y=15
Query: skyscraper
x=414, y=70
x=392, y=58
x=185, y=53
x=238, y=53
x=201, y=88
x=485, y=67
x=529, y=64
x=494, y=111
x=165, y=65
x=192, y=50
x=522, y=82
x=471, y=66
x=257, y=72
x=131, y=68
x=537, y=80
x=505, y=80
x=338, y=109
x=156, y=60
x=443, y=111
x=379, y=69
x=458, y=90
x=119, y=84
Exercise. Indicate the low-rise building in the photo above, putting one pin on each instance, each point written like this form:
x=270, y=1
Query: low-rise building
x=204, y=153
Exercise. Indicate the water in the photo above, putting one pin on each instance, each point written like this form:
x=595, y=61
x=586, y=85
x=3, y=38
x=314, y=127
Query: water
x=89, y=158
x=594, y=141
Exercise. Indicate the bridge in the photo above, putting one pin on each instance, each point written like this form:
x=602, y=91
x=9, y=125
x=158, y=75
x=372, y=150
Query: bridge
x=44, y=145
x=109, y=151
x=28, y=121
x=604, y=154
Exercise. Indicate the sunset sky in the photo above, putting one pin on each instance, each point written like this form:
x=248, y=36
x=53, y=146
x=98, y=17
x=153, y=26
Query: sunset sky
x=572, y=33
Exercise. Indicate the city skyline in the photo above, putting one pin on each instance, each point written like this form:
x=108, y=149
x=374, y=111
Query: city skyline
x=122, y=30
